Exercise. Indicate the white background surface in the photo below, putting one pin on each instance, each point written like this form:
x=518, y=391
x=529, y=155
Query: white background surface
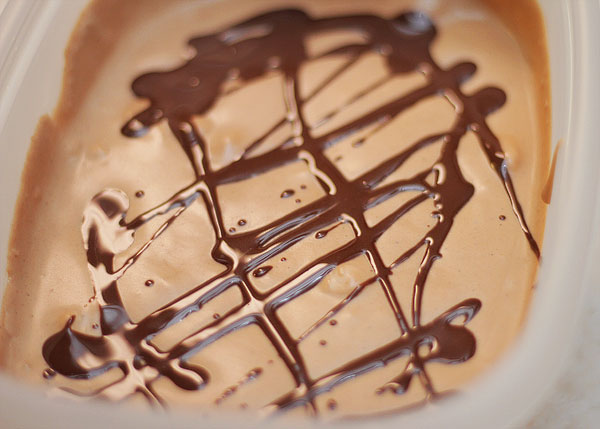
x=574, y=401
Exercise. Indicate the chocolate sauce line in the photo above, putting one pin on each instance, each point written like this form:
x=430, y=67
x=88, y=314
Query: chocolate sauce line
x=352, y=100
x=405, y=345
x=274, y=43
x=336, y=309
x=330, y=78
x=356, y=212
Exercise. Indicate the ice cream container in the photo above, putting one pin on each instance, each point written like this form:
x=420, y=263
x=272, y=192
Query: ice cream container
x=33, y=36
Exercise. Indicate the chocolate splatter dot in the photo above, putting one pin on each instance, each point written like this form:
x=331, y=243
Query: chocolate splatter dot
x=254, y=373
x=261, y=271
x=149, y=283
x=48, y=373
x=332, y=404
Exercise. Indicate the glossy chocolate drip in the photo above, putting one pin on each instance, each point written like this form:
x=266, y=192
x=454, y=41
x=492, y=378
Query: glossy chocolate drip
x=275, y=41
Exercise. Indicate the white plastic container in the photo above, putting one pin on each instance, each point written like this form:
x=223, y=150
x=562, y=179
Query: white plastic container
x=33, y=34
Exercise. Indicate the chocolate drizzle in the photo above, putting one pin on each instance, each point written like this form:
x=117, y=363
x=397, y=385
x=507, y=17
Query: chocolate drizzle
x=266, y=43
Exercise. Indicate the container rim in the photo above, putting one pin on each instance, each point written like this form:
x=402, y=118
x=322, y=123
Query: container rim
x=562, y=289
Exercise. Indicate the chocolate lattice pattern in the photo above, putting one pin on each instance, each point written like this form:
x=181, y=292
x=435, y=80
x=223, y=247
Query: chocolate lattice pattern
x=274, y=43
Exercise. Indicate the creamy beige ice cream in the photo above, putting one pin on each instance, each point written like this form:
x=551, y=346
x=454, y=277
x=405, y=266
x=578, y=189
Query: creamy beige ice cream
x=309, y=214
